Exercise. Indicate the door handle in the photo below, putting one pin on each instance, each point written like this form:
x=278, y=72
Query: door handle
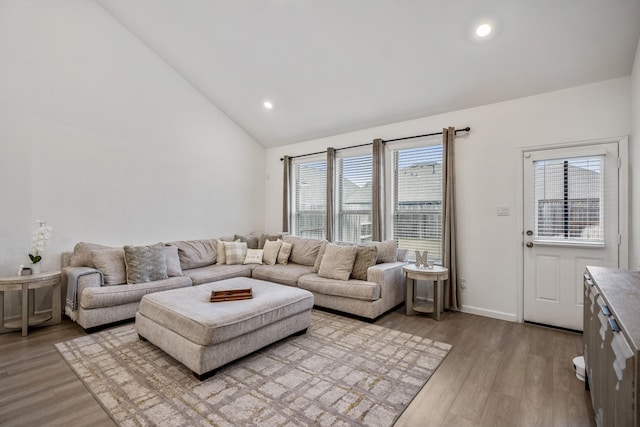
x=529, y=244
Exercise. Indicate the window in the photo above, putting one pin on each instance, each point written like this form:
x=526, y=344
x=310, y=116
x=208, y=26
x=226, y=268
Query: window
x=416, y=199
x=309, y=216
x=568, y=200
x=353, y=198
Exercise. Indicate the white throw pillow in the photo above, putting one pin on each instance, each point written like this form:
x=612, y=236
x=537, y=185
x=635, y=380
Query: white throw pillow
x=271, y=250
x=285, y=251
x=254, y=256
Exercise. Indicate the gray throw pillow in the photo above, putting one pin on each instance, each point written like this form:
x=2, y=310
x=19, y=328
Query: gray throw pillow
x=251, y=241
x=173, y=261
x=337, y=262
x=365, y=257
x=145, y=263
x=387, y=251
x=111, y=263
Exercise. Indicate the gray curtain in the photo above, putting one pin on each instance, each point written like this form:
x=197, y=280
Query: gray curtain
x=331, y=161
x=377, y=220
x=286, y=193
x=449, y=255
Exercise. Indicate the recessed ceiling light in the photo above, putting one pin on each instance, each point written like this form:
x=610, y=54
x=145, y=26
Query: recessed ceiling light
x=483, y=30
x=268, y=105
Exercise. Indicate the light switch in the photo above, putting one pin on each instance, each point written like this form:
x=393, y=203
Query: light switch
x=503, y=210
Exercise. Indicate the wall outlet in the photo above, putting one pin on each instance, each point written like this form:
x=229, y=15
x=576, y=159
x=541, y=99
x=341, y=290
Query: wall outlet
x=463, y=283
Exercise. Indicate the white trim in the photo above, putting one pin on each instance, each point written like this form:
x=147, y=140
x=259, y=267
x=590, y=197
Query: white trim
x=501, y=315
x=623, y=203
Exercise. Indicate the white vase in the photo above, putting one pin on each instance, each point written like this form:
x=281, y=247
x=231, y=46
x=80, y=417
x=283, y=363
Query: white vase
x=36, y=268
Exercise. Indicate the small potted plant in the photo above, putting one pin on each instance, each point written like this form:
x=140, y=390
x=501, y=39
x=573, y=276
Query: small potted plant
x=40, y=240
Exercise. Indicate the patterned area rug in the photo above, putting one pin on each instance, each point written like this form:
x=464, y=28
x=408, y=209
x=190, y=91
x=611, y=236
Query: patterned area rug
x=342, y=372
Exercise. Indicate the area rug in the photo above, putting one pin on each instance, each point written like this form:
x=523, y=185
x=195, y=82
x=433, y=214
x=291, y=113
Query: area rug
x=342, y=372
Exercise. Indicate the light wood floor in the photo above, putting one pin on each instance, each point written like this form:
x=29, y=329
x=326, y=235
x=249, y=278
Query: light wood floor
x=498, y=374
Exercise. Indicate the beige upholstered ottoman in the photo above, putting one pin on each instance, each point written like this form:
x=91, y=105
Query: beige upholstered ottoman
x=204, y=335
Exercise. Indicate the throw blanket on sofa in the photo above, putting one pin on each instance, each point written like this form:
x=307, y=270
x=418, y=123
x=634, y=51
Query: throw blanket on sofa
x=74, y=275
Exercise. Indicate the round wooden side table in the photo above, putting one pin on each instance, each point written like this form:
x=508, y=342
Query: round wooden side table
x=27, y=285
x=436, y=274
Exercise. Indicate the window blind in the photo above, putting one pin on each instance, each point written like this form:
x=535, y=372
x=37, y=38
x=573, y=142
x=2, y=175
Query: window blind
x=353, y=195
x=568, y=199
x=417, y=200
x=310, y=199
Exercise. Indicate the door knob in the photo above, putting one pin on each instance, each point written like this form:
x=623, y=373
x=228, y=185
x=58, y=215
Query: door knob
x=529, y=244
x=529, y=232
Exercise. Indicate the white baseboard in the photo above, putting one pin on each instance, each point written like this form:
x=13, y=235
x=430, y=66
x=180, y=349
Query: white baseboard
x=509, y=317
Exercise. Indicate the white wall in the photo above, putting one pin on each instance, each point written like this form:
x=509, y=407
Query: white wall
x=106, y=142
x=634, y=154
x=487, y=174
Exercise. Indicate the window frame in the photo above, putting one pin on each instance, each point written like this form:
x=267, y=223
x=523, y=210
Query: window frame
x=293, y=208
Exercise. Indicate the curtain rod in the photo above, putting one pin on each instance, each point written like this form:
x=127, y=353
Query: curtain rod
x=467, y=129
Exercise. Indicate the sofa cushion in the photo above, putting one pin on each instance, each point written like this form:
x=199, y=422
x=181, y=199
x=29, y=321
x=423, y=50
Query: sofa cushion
x=356, y=289
x=235, y=252
x=254, y=256
x=172, y=257
x=264, y=237
x=214, y=273
x=303, y=251
x=111, y=296
x=365, y=257
x=187, y=312
x=387, y=251
x=111, y=263
x=283, y=254
x=251, y=241
x=145, y=263
x=271, y=250
x=337, y=261
x=81, y=256
x=196, y=253
x=283, y=274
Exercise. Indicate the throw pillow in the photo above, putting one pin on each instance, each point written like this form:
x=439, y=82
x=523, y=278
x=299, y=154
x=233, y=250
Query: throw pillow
x=316, y=265
x=283, y=254
x=111, y=263
x=222, y=258
x=271, y=249
x=264, y=237
x=254, y=256
x=365, y=257
x=337, y=262
x=81, y=256
x=235, y=252
x=251, y=241
x=173, y=261
x=387, y=251
x=145, y=263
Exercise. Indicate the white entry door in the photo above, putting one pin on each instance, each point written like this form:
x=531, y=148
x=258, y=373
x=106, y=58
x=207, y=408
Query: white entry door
x=570, y=203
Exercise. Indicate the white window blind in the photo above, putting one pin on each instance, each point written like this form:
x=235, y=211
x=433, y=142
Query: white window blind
x=309, y=187
x=353, y=198
x=416, y=193
x=568, y=200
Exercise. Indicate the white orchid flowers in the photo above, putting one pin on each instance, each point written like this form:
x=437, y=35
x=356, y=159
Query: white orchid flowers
x=40, y=240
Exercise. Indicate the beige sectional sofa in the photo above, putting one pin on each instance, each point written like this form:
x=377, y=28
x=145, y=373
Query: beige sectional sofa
x=104, y=296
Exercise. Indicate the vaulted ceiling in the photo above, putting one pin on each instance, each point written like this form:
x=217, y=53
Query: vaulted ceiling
x=333, y=66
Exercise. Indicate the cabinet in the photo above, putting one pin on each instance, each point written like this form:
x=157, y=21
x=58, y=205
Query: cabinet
x=612, y=343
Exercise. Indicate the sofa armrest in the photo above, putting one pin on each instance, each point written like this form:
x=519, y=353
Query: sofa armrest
x=390, y=277
x=91, y=280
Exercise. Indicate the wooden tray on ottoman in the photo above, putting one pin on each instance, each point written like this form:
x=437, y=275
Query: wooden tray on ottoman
x=231, y=295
